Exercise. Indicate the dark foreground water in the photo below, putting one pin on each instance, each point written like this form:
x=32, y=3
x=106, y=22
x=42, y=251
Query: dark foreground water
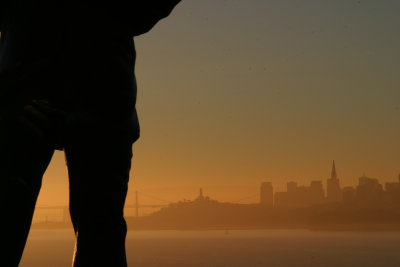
x=234, y=248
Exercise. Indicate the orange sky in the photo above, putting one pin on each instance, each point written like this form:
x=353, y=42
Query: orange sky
x=233, y=93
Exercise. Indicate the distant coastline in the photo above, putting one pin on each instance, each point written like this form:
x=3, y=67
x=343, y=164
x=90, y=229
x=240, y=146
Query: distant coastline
x=132, y=227
x=368, y=207
x=206, y=214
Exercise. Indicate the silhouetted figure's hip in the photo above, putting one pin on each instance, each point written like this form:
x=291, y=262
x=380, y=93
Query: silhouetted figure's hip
x=98, y=159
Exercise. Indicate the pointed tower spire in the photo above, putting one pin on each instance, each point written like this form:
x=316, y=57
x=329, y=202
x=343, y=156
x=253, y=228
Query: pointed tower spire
x=333, y=174
x=333, y=190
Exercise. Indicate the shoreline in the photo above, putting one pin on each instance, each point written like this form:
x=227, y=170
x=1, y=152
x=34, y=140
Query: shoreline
x=337, y=228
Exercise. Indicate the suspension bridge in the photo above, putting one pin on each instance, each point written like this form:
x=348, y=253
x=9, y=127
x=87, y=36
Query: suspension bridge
x=61, y=212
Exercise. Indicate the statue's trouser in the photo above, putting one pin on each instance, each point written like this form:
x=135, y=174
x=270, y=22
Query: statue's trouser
x=98, y=165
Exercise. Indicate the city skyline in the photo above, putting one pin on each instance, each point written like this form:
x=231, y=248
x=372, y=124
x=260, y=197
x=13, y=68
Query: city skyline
x=267, y=90
x=267, y=194
x=309, y=207
x=234, y=192
x=367, y=190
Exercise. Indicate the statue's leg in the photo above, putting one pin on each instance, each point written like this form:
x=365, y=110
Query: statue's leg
x=24, y=157
x=98, y=165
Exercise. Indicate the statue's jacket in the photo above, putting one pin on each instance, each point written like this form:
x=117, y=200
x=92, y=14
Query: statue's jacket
x=79, y=54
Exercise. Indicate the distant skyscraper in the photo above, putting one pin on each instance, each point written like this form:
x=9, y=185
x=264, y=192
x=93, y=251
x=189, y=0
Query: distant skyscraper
x=291, y=187
x=369, y=190
x=392, y=194
x=201, y=196
x=316, y=192
x=300, y=196
x=267, y=194
x=334, y=193
x=349, y=194
x=333, y=172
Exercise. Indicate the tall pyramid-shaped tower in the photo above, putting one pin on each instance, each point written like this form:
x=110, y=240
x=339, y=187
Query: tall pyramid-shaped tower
x=334, y=192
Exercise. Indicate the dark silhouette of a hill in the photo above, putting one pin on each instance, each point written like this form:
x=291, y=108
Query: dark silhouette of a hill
x=204, y=213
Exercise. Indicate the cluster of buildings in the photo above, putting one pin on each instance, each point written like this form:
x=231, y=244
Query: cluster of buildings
x=368, y=192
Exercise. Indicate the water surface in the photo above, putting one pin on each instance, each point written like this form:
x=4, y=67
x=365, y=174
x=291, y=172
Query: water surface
x=245, y=248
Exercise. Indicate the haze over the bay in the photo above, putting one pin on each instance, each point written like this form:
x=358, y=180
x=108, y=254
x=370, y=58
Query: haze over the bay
x=233, y=93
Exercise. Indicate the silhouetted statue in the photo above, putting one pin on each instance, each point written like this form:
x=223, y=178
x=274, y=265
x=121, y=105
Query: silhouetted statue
x=67, y=82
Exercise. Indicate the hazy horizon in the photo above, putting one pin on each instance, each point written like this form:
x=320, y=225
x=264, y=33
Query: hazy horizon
x=237, y=249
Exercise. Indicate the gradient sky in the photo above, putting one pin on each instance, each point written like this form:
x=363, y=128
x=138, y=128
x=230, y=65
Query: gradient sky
x=233, y=93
